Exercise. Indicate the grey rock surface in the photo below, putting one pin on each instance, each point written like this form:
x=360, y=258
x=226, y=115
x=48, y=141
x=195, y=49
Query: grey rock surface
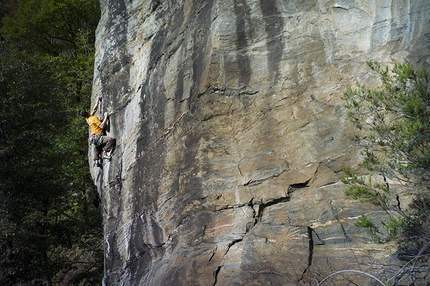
x=231, y=135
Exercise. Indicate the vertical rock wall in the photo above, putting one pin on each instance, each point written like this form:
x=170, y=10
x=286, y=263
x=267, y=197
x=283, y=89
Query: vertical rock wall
x=231, y=135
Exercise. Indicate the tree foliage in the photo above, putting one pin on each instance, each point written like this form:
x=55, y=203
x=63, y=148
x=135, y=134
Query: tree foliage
x=50, y=227
x=398, y=118
x=51, y=26
x=394, y=120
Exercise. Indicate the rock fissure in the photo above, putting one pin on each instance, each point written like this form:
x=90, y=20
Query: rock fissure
x=231, y=244
x=117, y=181
x=239, y=170
x=311, y=247
x=213, y=254
x=215, y=274
x=255, y=182
x=310, y=254
x=338, y=6
x=259, y=210
x=172, y=126
x=212, y=116
x=336, y=216
x=297, y=186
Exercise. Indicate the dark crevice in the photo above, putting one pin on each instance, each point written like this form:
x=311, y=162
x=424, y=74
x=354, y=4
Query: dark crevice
x=231, y=244
x=300, y=185
x=398, y=202
x=154, y=5
x=250, y=225
x=213, y=254
x=310, y=251
x=252, y=182
x=311, y=246
x=248, y=92
x=337, y=6
x=343, y=230
x=261, y=207
x=216, y=272
x=340, y=223
x=319, y=241
x=117, y=181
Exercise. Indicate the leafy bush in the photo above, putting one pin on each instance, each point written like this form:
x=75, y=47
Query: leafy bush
x=394, y=120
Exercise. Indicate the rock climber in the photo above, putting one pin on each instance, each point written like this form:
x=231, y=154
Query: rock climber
x=103, y=145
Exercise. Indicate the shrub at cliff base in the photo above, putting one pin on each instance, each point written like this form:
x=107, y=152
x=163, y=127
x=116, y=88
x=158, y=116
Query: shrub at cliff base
x=394, y=124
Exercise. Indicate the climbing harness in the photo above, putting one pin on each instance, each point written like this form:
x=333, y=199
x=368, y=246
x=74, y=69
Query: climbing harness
x=96, y=139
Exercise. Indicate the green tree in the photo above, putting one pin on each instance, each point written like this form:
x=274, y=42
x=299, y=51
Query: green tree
x=50, y=229
x=394, y=120
x=397, y=116
x=51, y=26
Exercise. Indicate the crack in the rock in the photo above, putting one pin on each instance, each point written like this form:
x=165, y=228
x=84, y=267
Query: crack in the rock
x=338, y=6
x=232, y=243
x=299, y=185
x=258, y=211
x=310, y=251
x=319, y=241
x=343, y=229
x=216, y=272
x=213, y=254
x=252, y=182
x=117, y=181
x=335, y=214
x=311, y=248
x=172, y=126
x=259, y=208
x=240, y=171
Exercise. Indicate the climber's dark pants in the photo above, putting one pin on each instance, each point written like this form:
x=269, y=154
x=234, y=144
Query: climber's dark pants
x=107, y=145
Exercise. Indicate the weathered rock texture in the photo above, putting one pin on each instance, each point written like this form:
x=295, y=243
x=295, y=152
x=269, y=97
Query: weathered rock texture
x=231, y=135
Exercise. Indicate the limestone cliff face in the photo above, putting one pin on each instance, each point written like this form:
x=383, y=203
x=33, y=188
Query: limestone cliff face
x=231, y=135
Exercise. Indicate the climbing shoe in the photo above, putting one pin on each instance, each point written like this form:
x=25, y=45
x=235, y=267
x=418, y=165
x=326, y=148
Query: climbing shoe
x=107, y=156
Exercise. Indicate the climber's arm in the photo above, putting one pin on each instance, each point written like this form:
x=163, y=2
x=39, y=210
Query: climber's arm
x=105, y=121
x=96, y=106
